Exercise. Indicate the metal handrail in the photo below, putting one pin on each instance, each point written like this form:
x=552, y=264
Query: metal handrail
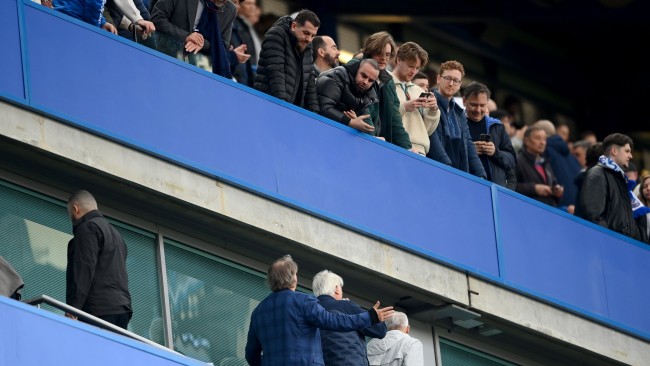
x=90, y=319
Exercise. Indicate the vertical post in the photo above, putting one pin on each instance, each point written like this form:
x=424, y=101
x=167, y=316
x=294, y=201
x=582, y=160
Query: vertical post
x=164, y=290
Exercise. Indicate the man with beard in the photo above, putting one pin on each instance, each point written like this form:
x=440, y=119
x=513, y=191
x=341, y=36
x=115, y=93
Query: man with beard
x=346, y=92
x=605, y=198
x=285, y=65
x=326, y=54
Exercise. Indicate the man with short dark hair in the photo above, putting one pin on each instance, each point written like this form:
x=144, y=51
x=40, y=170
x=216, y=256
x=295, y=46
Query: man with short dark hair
x=285, y=65
x=326, y=54
x=605, y=198
x=490, y=137
x=284, y=326
x=346, y=92
x=96, y=277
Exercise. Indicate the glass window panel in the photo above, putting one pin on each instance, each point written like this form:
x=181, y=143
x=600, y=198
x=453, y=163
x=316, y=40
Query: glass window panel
x=211, y=302
x=34, y=235
x=455, y=354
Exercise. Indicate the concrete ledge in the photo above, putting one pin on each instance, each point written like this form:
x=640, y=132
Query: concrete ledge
x=232, y=202
x=558, y=324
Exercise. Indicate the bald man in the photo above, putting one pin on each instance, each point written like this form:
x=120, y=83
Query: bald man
x=96, y=278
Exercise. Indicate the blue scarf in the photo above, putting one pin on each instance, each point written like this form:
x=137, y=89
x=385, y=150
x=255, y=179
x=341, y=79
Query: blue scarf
x=209, y=27
x=638, y=209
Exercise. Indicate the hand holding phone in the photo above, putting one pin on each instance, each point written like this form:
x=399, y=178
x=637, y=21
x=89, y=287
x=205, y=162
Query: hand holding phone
x=425, y=95
x=485, y=137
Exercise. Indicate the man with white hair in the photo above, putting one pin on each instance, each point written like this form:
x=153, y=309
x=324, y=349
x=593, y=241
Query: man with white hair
x=342, y=348
x=398, y=348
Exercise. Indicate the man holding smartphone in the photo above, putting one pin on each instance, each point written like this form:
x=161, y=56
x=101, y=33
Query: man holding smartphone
x=490, y=138
x=418, y=108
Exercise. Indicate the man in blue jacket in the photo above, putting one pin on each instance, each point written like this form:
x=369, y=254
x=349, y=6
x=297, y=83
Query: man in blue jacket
x=452, y=131
x=342, y=348
x=490, y=138
x=284, y=326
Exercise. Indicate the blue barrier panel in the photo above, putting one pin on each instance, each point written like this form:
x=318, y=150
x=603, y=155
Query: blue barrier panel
x=32, y=336
x=11, y=69
x=627, y=269
x=137, y=96
x=561, y=259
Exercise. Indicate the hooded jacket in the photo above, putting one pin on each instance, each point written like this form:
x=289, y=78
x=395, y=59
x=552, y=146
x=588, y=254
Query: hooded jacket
x=458, y=151
x=337, y=93
x=503, y=163
x=395, y=349
x=565, y=166
x=281, y=68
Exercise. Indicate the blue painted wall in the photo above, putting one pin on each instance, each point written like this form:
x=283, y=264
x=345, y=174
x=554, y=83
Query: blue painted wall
x=32, y=336
x=11, y=76
x=152, y=102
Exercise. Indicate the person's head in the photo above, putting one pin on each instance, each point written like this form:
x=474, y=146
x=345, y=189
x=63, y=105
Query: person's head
x=644, y=190
x=422, y=80
x=410, y=58
x=475, y=98
x=80, y=203
x=399, y=321
x=562, y=129
x=328, y=283
x=247, y=8
x=380, y=47
x=507, y=120
x=579, y=151
x=283, y=274
x=593, y=153
x=492, y=105
x=450, y=77
x=547, y=126
x=304, y=27
x=618, y=147
x=367, y=74
x=535, y=140
x=589, y=136
x=325, y=52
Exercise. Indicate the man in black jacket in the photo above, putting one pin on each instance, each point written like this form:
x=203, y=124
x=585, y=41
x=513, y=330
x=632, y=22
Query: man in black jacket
x=284, y=69
x=345, y=93
x=604, y=198
x=490, y=138
x=96, y=278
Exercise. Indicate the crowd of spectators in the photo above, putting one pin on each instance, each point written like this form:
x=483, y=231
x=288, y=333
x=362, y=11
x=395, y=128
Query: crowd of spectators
x=382, y=92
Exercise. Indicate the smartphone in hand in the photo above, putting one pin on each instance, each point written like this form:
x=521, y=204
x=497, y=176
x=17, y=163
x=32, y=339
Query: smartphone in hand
x=425, y=95
x=485, y=137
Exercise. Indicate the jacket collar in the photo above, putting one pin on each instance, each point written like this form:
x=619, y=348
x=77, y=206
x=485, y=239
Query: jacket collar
x=89, y=215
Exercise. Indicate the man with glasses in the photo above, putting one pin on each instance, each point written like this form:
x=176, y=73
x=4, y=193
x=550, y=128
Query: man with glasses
x=453, y=133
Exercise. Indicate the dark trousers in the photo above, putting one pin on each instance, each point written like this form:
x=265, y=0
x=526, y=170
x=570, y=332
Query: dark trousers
x=121, y=320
